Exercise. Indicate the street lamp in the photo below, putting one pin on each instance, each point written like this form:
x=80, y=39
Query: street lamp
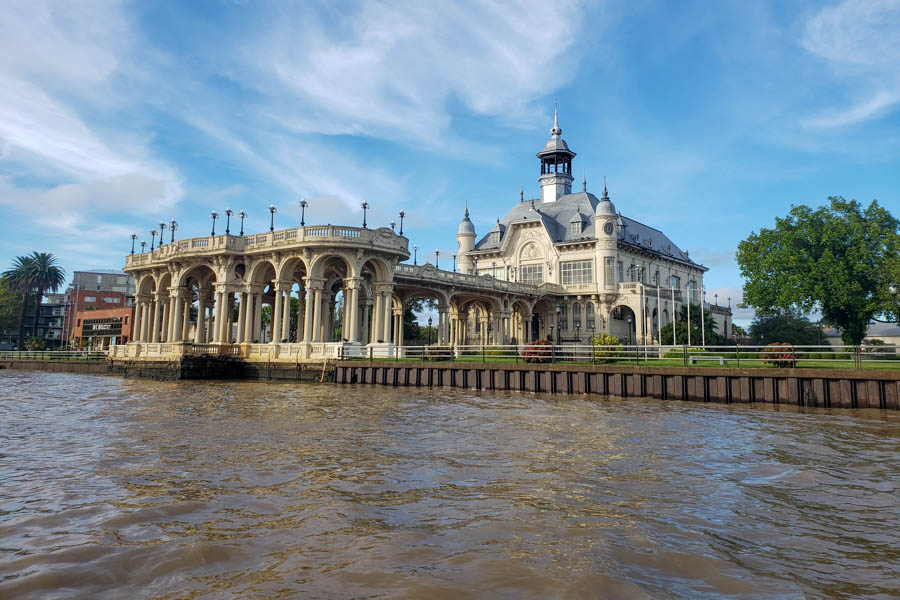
x=401, y=214
x=628, y=319
x=243, y=216
x=454, y=263
x=143, y=245
x=415, y=253
x=558, y=319
x=213, y=215
x=393, y=224
x=716, y=296
x=162, y=231
x=173, y=225
x=303, y=205
x=133, y=237
x=893, y=288
x=429, y=331
x=578, y=332
x=152, y=239
x=437, y=255
x=272, y=211
x=365, y=207
x=228, y=213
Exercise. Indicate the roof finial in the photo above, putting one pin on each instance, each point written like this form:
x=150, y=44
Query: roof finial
x=555, y=130
x=605, y=194
x=467, y=208
x=584, y=182
x=522, y=194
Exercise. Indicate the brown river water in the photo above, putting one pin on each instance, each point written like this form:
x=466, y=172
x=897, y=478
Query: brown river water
x=115, y=488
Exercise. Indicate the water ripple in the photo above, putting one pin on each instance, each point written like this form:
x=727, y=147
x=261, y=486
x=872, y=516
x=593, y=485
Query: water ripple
x=113, y=487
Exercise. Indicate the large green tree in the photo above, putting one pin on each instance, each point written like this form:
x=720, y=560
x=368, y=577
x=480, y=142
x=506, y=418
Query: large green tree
x=10, y=305
x=19, y=279
x=838, y=258
x=784, y=326
x=46, y=275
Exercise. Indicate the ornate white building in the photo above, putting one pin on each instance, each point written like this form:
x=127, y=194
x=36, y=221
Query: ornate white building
x=615, y=274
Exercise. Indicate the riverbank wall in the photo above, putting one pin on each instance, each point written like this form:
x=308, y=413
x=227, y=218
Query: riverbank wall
x=801, y=387
x=95, y=367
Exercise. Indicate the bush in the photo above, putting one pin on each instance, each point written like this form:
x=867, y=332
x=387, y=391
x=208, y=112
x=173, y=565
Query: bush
x=779, y=354
x=538, y=351
x=34, y=343
x=679, y=352
x=438, y=352
x=606, y=347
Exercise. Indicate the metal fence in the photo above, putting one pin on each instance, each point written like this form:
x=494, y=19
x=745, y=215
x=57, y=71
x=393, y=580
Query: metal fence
x=52, y=355
x=771, y=356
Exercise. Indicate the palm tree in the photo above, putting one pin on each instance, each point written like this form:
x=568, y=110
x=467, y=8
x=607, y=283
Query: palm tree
x=19, y=279
x=46, y=275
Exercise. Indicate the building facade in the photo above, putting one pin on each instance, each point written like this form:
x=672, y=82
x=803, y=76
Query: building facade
x=100, y=329
x=617, y=275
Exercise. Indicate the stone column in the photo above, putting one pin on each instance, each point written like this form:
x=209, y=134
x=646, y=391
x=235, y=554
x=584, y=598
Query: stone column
x=308, y=326
x=398, y=327
x=352, y=317
x=177, y=316
x=157, y=319
x=286, y=316
x=242, y=317
x=386, y=318
x=301, y=303
x=249, y=298
x=317, y=315
x=257, y=318
x=366, y=330
x=199, y=334
x=136, y=322
x=147, y=320
x=276, y=314
x=377, y=314
x=186, y=318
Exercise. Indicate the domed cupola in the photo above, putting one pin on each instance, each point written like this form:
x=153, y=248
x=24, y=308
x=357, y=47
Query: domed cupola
x=605, y=207
x=465, y=226
x=556, y=164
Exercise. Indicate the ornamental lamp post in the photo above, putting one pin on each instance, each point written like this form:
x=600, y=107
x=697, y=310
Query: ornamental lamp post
x=415, y=253
x=173, y=225
x=152, y=238
x=133, y=237
x=454, y=263
x=437, y=254
x=228, y=213
x=272, y=211
x=143, y=245
x=401, y=214
x=365, y=207
x=393, y=224
x=716, y=296
x=558, y=319
x=429, y=331
x=628, y=319
x=303, y=205
x=578, y=332
x=243, y=216
x=162, y=232
x=213, y=215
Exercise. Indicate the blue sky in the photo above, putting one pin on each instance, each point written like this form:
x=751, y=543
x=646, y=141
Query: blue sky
x=708, y=119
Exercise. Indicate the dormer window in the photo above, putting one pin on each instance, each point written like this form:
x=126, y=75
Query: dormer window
x=494, y=237
x=575, y=228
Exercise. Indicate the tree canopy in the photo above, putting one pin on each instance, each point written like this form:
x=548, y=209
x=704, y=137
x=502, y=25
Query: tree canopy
x=784, y=326
x=838, y=258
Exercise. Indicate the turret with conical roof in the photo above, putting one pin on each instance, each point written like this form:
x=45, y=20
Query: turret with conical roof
x=465, y=236
x=606, y=222
x=556, y=164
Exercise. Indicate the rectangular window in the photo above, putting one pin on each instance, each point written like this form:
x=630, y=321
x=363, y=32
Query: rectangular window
x=563, y=317
x=676, y=282
x=589, y=313
x=90, y=298
x=575, y=228
x=579, y=271
x=617, y=313
x=533, y=274
x=122, y=280
x=112, y=300
x=618, y=271
x=610, y=272
x=495, y=238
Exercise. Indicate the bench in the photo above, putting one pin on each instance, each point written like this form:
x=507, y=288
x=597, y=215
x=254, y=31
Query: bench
x=692, y=358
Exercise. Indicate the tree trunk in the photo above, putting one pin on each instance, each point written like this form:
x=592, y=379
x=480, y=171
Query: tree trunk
x=22, y=322
x=37, y=311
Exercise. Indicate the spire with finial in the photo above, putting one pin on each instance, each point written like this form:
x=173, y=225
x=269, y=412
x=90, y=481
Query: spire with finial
x=467, y=208
x=555, y=130
x=605, y=193
x=584, y=182
x=522, y=194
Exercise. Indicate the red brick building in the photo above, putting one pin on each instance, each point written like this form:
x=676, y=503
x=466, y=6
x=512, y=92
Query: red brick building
x=99, y=329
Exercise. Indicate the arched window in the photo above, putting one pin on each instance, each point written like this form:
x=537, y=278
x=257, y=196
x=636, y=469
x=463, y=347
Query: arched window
x=576, y=315
x=589, y=313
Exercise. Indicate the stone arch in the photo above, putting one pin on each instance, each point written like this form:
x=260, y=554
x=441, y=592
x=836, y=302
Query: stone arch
x=324, y=263
x=146, y=284
x=290, y=266
x=381, y=269
x=262, y=271
x=202, y=274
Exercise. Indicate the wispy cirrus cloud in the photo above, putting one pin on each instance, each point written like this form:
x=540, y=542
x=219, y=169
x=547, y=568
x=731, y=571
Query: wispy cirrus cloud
x=859, y=40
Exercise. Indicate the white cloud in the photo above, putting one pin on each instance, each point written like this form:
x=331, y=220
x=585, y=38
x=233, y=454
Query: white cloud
x=859, y=40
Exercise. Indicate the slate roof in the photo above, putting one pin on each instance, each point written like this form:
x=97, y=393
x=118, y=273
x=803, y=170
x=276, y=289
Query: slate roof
x=556, y=216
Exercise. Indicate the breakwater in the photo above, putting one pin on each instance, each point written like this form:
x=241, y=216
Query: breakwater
x=825, y=388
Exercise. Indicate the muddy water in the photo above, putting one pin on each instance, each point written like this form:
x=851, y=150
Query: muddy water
x=115, y=488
